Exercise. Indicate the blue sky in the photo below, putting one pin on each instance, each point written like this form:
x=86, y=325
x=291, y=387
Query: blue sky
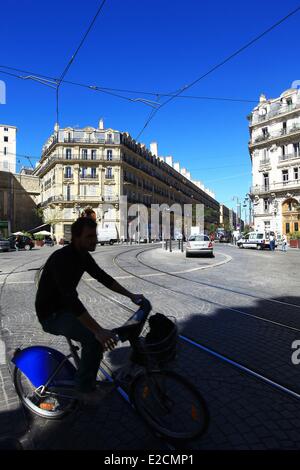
x=155, y=46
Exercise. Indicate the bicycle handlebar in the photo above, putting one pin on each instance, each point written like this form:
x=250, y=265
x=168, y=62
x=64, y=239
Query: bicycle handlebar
x=134, y=325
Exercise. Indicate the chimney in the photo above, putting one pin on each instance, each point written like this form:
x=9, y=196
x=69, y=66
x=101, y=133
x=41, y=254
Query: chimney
x=169, y=160
x=154, y=148
x=188, y=175
x=176, y=166
x=101, y=124
x=183, y=171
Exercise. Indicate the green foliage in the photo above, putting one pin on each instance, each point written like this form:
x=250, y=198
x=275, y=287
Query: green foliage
x=39, y=237
x=295, y=235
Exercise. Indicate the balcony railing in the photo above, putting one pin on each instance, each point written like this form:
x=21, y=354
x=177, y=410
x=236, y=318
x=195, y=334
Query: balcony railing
x=88, y=177
x=76, y=157
x=283, y=109
x=264, y=162
x=74, y=198
x=290, y=156
x=275, y=135
x=282, y=185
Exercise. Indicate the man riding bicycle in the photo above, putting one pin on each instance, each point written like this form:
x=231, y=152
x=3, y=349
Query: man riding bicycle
x=60, y=311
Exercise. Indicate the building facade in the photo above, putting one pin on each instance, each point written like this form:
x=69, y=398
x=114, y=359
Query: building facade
x=8, y=144
x=274, y=149
x=19, y=199
x=95, y=166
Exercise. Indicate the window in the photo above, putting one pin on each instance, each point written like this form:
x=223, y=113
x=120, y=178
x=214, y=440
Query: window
x=84, y=154
x=266, y=205
x=109, y=173
x=83, y=171
x=283, y=150
x=94, y=154
x=68, y=154
x=267, y=224
x=109, y=155
x=285, y=176
x=93, y=173
x=265, y=155
x=284, y=128
x=68, y=193
x=266, y=181
x=5, y=129
x=296, y=226
x=296, y=149
x=296, y=173
x=5, y=151
x=265, y=132
x=290, y=206
x=68, y=172
x=5, y=139
x=109, y=138
x=287, y=228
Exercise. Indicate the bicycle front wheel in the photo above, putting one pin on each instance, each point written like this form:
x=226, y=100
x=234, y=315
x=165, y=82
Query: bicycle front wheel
x=170, y=405
x=50, y=404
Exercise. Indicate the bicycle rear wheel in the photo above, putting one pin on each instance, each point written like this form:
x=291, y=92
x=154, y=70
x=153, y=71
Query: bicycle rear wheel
x=53, y=403
x=170, y=405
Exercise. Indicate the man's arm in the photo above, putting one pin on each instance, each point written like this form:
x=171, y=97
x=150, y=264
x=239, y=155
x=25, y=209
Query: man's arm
x=97, y=273
x=116, y=287
x=102, y=335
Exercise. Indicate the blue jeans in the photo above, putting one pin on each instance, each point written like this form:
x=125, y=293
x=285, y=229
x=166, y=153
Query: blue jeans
x=67, y=324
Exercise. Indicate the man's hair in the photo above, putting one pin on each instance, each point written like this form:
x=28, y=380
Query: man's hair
x=78, y=226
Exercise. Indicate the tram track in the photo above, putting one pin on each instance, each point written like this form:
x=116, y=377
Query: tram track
x=211, y=286
x=206, y=348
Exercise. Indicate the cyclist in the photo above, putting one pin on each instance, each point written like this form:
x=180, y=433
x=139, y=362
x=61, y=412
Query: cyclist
x=60, y=311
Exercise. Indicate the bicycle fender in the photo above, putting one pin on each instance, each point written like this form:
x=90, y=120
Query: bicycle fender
x=39, y=362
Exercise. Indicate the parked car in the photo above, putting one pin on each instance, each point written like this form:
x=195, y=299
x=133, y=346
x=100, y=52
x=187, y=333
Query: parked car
x=258, y=240
x=25, y=243
x=199, y=244
x=4, y=244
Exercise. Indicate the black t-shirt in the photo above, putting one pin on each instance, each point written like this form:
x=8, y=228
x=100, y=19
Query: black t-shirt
x=60, y=277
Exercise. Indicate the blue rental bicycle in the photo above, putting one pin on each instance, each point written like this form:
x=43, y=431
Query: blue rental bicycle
x=168, y=403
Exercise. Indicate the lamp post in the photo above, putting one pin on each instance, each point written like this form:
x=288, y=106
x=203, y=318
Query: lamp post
x=238, y=209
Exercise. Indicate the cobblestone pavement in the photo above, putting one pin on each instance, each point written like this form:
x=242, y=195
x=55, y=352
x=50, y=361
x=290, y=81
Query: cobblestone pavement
x=245, y=412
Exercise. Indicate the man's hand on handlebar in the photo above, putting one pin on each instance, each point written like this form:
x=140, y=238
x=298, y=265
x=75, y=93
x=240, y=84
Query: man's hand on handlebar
x=137, y=298
x=107, y=338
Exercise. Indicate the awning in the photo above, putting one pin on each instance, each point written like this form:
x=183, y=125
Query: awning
x=39, y=227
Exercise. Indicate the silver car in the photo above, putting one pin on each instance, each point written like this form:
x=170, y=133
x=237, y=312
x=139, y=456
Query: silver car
x=4, y=244
x=199, y=244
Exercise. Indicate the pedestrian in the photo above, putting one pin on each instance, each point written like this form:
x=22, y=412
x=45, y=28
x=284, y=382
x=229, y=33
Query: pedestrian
x=17, y=243
x=272, y=242
x=284, y=244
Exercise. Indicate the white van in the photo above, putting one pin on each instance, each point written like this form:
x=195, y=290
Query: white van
x=258, y=240
x=107, y=234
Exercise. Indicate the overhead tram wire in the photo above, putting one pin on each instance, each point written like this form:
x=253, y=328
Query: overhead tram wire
x=66, y=69
x=110, y=91
x=220, y=64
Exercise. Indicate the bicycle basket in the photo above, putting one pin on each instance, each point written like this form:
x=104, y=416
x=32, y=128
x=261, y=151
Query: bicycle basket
x=160, y=343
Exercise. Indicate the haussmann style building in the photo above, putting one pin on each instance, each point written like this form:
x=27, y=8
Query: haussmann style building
x=274, y=149
x=95, y=166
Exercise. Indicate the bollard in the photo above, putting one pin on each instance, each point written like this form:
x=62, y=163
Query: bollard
x=170, y=247
x=166, y=247
x=182, y=245
x=179, y=244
